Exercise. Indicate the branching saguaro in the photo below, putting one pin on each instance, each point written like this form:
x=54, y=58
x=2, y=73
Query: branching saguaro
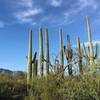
x=79, y=56
x=47, y=52
x=61, y=52
x=29, y=71
x=68, y=54
x=41, y=56
x=91, y=53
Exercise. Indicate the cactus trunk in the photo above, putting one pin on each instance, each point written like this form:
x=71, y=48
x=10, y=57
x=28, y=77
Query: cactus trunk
x=91, y=53
x=61, y=52
x=29, y=71
x=41, y=52
x=79, y=56
x=34, y=66
x=47, y=53
x=69, y=55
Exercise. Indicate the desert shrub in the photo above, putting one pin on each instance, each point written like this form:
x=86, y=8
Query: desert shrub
x=11, y=87
x=85, y=87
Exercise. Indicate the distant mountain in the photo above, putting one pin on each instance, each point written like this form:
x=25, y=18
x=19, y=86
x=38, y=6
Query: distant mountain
x=9, y=72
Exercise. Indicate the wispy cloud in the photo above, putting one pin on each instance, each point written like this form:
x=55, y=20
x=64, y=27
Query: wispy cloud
x=56, y=3
x=27, y=12
x=27, y=15
x=80, y=6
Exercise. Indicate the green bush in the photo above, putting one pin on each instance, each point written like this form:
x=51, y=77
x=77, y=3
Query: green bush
x=85, y=87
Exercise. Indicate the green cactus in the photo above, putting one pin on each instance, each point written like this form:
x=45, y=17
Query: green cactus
x=35, y=69
x=47, y=53
x=41, y=56
x=91, y=53
x=34, y=66
x=29, y=59
x=69, y=54
x=79, y=56
x=84, y=50
x=96, y=51
x=90, y=48
x=61, y=52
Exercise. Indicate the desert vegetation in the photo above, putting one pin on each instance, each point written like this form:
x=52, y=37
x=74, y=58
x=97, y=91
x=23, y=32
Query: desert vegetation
x=56, y=83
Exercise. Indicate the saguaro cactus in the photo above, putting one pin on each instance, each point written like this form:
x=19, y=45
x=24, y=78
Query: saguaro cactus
x=84, y=50
x=34, y=69
x=29, y=71
x=41, y=56
x=47, y=53
x=96, y=50
x=61, y=52
x=34, y=66
x=69, y=54
x=79, y=56
x=91, y=55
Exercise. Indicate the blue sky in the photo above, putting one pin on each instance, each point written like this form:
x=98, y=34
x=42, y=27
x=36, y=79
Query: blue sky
x=18, y=16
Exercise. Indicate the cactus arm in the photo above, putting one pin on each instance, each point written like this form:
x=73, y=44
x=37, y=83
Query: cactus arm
x=96, y=50
x=84, y=50
x=34, y=58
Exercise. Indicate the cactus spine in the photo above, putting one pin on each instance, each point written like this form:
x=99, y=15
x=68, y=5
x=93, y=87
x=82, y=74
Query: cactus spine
x=91, y=53
x=47, y=53
x=41, y=52
x=79, y=56
x=29, y=71
x=61, y=52
x=69, y=54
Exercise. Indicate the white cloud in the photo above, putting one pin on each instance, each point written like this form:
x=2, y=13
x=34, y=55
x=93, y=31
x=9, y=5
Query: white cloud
x=80, y=6
x=27, y=15
x=56, y=3
x=2, y=24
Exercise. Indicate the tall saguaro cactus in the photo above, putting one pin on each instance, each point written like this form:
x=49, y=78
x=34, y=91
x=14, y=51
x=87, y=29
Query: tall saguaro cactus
x=69, y=54
x=41, y=56
x=47, y=52
x=79, y=56
x=29, y=71
x=61, y=51
x=91, y=55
